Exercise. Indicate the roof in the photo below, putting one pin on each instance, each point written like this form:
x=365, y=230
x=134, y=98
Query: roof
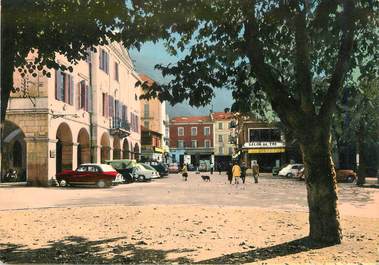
x=222, y=116
x=146, y=78
x=190, y=119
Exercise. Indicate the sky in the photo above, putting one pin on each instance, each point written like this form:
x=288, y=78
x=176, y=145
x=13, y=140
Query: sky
x=152, y=54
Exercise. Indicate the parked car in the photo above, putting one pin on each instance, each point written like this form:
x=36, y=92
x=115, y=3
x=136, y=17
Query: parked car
x=345, y=175
x=102, y=175
x=204, y=165
x=124, y=167
x=173, y=168
x=342, y=175
x=191, y=167
x=144, y=172
x=160, y=167
x=290, y=170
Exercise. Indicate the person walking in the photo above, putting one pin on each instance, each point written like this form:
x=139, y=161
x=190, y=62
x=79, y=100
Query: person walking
x=255, y=168
x=243, y=172
x=229, y=173
x=212, y=168
x=219, y=167
x=185, y=172
x=236, y=170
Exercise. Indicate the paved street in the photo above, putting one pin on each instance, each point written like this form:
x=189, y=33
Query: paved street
x=271, y=192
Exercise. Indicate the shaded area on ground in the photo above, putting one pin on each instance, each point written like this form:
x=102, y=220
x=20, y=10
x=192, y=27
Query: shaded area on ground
x=79, y=250
x=261, y=254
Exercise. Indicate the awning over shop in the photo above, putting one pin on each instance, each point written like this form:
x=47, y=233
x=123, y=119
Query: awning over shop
x=265, y=150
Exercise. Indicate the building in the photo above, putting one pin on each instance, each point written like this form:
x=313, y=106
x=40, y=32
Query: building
x=223, y=143
x=262, y=142
x=152, y=116
x=88, y=115
x=191, y=139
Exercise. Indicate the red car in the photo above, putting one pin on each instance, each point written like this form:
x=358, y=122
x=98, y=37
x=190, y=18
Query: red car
x=101, y=175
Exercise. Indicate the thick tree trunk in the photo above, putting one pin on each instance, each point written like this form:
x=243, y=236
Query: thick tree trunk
x=321, y=187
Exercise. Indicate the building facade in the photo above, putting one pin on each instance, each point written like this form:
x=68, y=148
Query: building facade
x=152, y=117
x=191, y=139
x=262, y=142
x=223, y=143
x=91, y=114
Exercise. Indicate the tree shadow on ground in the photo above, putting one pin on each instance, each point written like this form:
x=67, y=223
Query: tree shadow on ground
x=79, y=250
x=261, y=254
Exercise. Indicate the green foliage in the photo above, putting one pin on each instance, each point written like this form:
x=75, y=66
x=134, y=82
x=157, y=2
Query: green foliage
x=300, y=43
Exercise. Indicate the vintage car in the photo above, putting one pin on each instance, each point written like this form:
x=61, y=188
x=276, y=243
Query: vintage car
x=342, y=175
x=290, y=170
x=101, y=175
x=144, y=172
x=173, y=168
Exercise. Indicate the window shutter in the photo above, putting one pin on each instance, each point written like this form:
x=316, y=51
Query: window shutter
x=78, y=91
x=89, y=98
x=72, y=90
x=61, y=86
x=57, y=74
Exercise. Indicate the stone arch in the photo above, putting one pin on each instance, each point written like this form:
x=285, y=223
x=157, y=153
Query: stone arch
x=64, y=148
x=83, y=147
x=13, y=150
x=125, y=149
x=116, y=148
x=105, y=147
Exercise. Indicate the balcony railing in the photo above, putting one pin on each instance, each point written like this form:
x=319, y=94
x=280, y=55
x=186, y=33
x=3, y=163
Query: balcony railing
x=119, y=127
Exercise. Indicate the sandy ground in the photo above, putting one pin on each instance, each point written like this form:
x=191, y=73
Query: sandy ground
x=177, y=234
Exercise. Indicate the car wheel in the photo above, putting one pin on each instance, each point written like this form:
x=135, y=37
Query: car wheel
x=289, y=175
x=141, y=178
x=350, y=179
x=63, y=183
x=101, y=184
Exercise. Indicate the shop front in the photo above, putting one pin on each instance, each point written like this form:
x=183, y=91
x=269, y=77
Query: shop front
x=267, y=154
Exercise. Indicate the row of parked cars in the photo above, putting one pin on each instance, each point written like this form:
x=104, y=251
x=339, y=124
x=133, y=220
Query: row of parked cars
x=298, y=171
x=113, y=172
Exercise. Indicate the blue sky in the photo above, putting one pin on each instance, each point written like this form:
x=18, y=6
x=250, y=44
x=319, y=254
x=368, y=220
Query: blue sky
x=152, y=54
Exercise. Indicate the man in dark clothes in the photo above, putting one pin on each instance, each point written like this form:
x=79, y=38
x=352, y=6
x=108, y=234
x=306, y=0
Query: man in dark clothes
x=229, y=173
x=243, y=172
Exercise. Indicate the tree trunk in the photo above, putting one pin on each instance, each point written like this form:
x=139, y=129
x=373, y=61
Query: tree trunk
x=321, y=188
x=361, y=167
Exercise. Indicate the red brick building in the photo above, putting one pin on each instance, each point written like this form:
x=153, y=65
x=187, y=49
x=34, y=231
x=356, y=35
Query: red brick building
x=192, y=139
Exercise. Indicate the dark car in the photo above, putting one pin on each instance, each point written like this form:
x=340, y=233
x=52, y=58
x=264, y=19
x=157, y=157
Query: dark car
x=124, y=167
x=342, y=175
x=101, y=175
x=160, y=167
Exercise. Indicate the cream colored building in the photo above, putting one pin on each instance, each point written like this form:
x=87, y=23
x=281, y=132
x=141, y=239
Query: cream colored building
x=223, y=148
x=89, y=115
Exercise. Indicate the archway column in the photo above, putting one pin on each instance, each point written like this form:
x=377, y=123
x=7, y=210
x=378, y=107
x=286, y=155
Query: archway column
x=74, y=155
x=37, y=158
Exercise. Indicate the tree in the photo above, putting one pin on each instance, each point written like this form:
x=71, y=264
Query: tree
x=356, y=123
x=47, y=27
x=270, y=50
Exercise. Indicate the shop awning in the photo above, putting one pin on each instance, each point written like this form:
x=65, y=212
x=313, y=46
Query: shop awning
x=158, y=150
x=265, y=150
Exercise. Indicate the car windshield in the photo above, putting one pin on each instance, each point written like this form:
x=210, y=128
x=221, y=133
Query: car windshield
x=147, y=167
x=107, y=168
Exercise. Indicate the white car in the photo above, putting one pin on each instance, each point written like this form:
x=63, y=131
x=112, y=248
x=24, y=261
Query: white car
x=143, y=172
x=290, y=170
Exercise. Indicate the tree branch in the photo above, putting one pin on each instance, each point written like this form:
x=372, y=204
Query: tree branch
x=303, y=73
x=285, y=105
x=342, y=65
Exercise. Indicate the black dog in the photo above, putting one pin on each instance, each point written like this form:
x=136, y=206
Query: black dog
x=206, y=178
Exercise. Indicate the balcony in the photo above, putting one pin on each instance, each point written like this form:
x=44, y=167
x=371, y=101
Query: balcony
x=119, y=127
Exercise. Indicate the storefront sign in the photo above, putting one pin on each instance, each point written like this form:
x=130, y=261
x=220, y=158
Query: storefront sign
x=265, y=150
x=158, y=150
x=263, y=144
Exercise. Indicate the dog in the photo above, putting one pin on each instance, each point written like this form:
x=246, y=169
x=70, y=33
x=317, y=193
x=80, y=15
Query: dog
x=206, y=178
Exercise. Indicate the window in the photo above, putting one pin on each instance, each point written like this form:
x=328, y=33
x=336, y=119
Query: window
x=230, y=139
x=146, y=110
x=220, y=150
x=104, y=61
x=180, y=131
x=207, y=131
x=220, y=138
x=207, y=143
x=93, y=169
x=146, y=124
x=264, y=135
x=193, y=131
x=83, y=96
x=180, y=144
x=64, y=87
x=81, y=169
x=116, y=71
x=194, y=144
x=220, y=125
